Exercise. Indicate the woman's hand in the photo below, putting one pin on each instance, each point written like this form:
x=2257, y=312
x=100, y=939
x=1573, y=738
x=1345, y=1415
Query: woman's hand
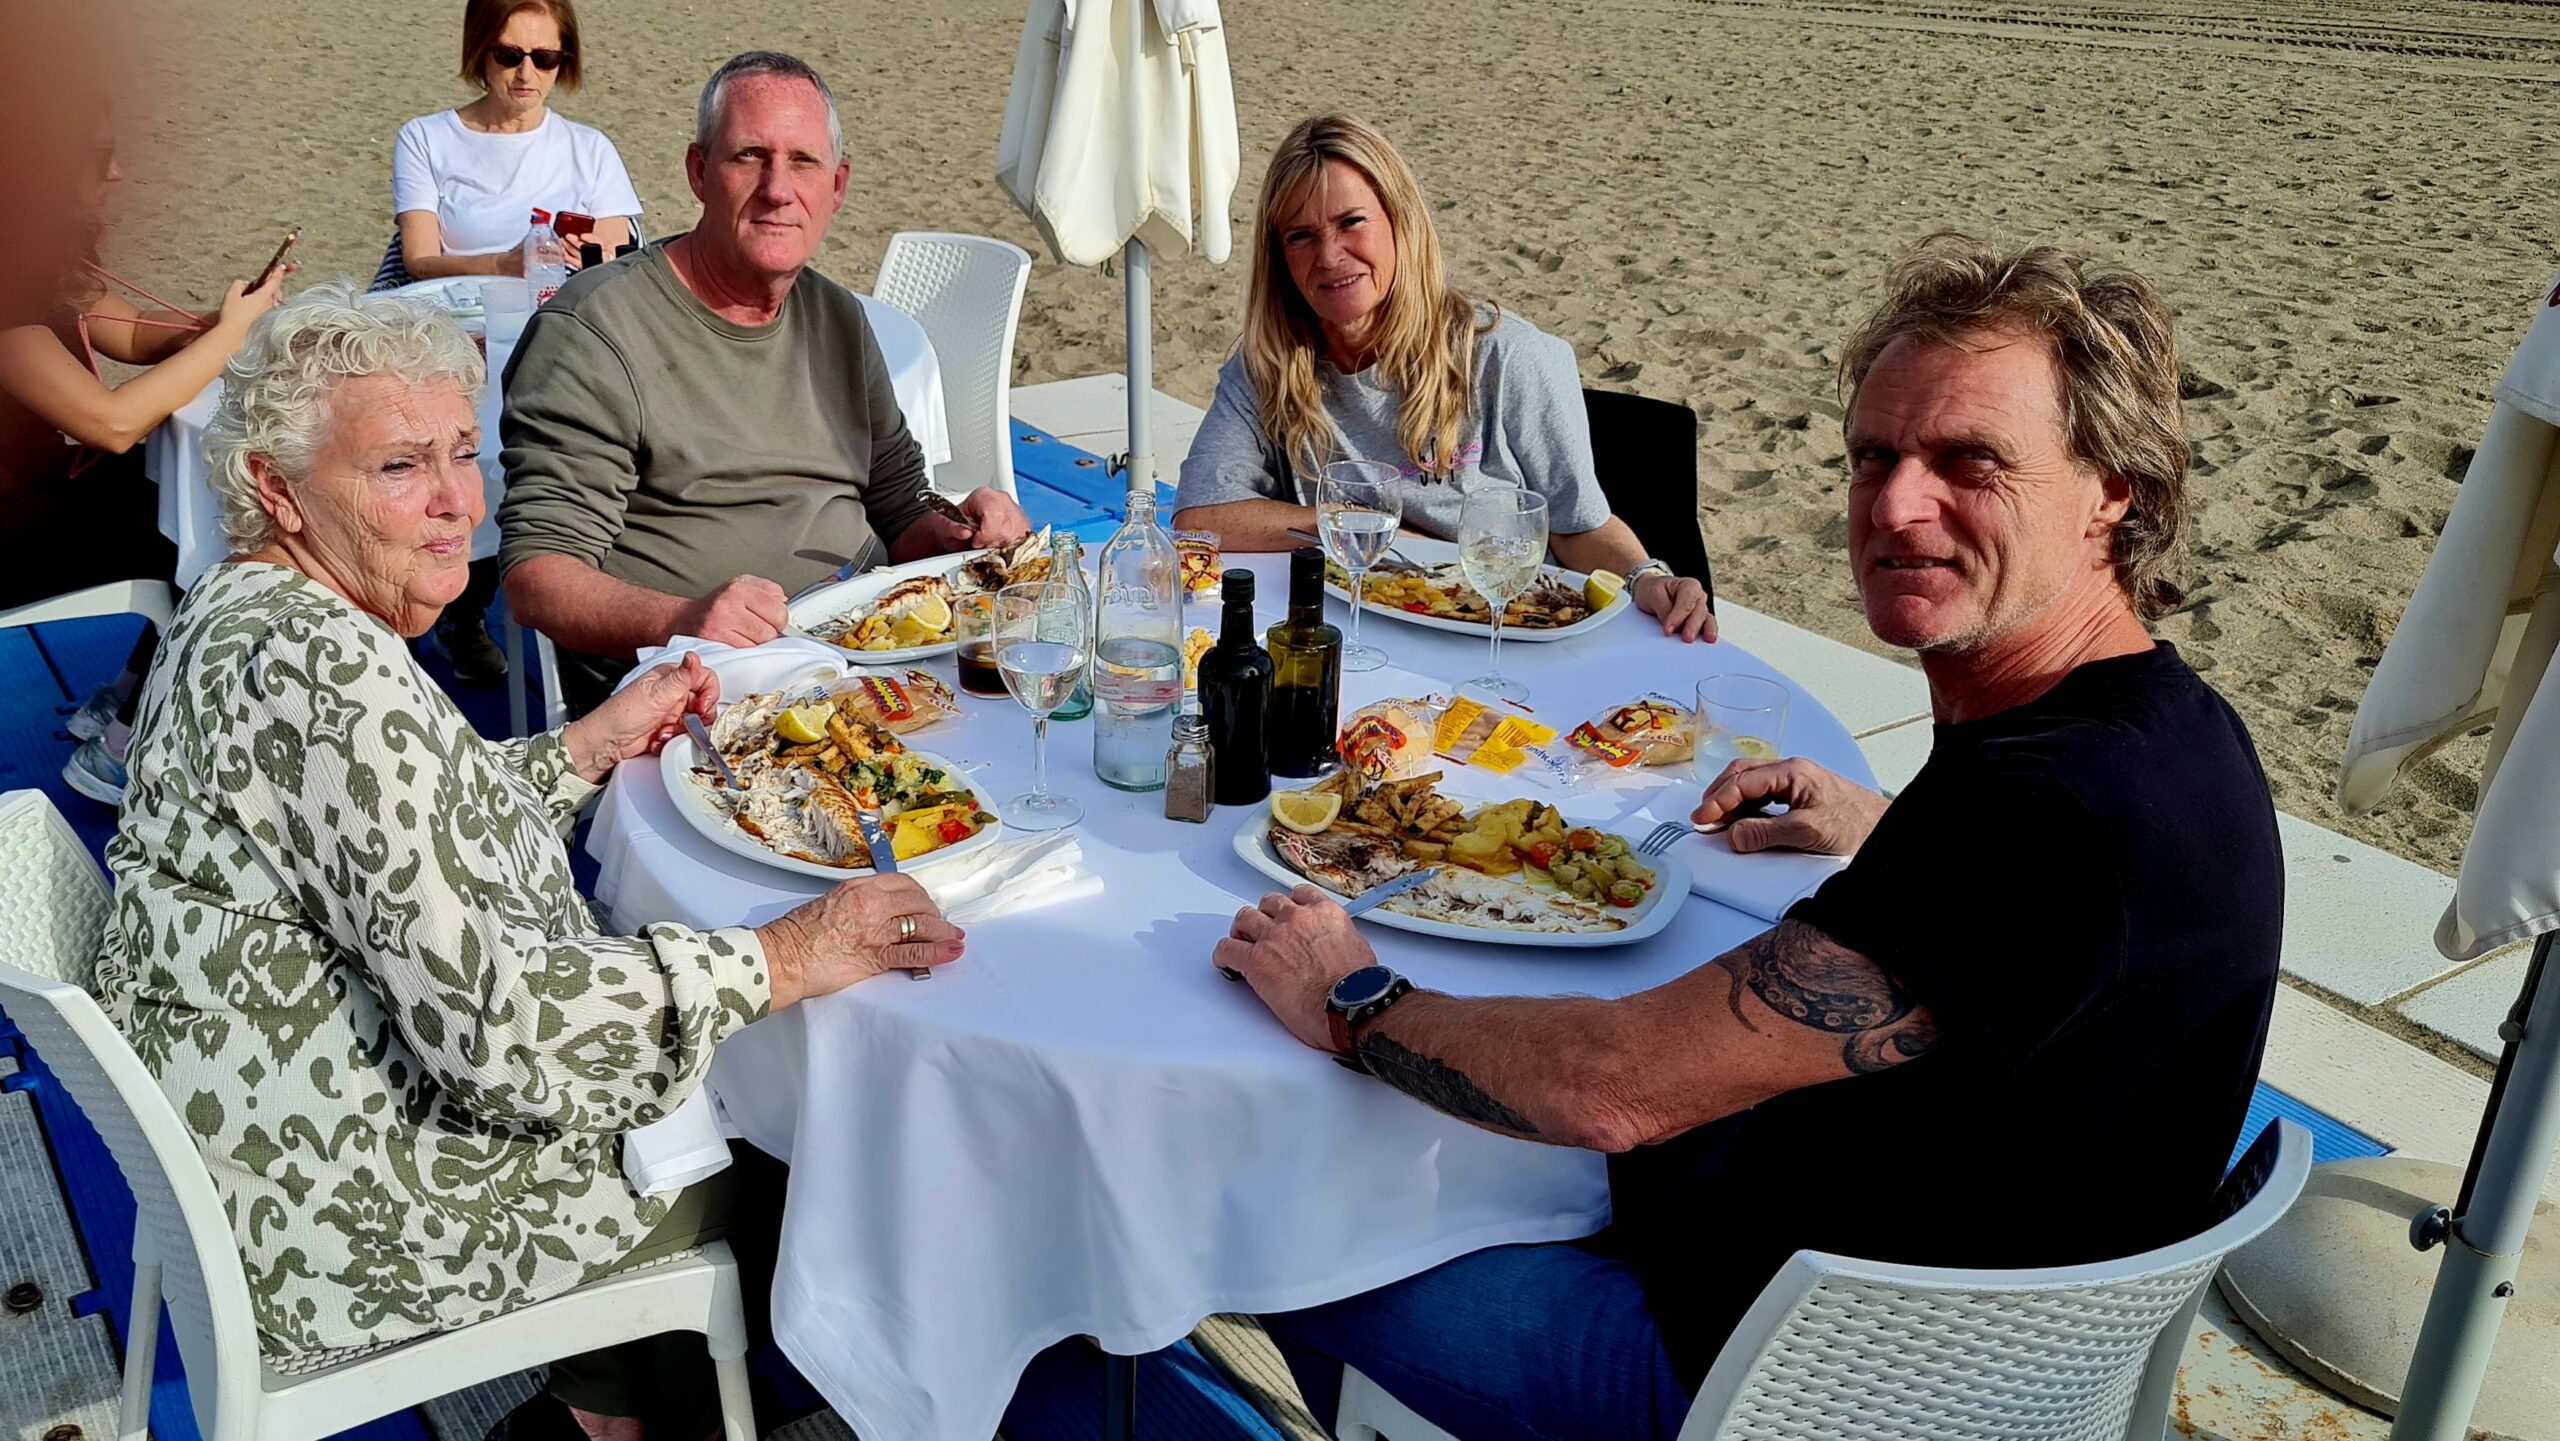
x=640, y=717
x=1827, y=814
x=1679, y=602
x=241, y=305
x=863, y=927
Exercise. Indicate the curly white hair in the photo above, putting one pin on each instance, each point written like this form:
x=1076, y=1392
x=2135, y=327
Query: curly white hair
x=275, y=391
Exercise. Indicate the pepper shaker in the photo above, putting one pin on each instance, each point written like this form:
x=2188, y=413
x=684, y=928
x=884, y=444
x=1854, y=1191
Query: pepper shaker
x=1190, y=770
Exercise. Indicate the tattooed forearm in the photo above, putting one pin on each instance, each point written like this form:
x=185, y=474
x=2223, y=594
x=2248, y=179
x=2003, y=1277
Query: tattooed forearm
x=1440, y=1085
x=1808, y=978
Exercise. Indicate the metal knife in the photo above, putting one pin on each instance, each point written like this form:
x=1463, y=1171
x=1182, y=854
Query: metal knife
x=1368, y=900
x=702, y=742
x=884, y=861
x=843, y=573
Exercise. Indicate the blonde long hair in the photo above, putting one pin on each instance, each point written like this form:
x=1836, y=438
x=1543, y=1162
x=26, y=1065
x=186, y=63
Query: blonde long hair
x=1426, y=330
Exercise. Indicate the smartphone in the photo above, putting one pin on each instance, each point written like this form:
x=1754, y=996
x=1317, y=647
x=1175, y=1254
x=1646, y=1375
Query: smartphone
x=276, y=259
x=569, y=222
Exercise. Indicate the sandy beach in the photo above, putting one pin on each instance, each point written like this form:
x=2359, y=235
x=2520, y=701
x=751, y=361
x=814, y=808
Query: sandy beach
x=2342, y=200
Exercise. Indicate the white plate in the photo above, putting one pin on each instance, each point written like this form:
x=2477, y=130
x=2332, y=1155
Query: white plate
x=858, y=593
x=693, y=802
x=1670, y=888
x=1423, y=550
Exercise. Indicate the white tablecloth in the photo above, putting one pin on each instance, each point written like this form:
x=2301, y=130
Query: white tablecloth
x=1078, y=1127
x=174, y=458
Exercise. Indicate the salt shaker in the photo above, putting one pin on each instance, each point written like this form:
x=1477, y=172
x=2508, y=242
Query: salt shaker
x=1189, y=770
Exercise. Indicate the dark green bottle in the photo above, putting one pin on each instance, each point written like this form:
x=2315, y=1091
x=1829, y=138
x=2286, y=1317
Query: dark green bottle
x=1235, y=691
x=1306, y=685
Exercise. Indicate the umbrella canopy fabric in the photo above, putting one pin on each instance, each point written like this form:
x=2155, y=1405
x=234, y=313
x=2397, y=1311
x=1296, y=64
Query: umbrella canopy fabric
x=1121, y=125
x=2474, y=644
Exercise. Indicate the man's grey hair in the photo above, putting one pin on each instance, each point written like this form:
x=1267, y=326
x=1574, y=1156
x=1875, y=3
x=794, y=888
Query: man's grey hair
x=275, y=391
x=706, y=116
x=2115, y=357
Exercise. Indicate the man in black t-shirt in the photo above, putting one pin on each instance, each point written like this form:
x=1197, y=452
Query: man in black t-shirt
x=2019, y=1029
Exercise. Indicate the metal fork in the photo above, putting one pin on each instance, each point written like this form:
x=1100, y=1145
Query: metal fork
x=1662, y=837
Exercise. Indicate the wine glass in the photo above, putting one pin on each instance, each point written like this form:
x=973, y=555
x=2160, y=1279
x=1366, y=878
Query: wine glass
x=1043, y=640
x=1502, y=543
x=1359, y=504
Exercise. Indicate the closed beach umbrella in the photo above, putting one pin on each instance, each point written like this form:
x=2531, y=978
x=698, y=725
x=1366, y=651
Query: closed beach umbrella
x=2475, y=646
x=1120, y=138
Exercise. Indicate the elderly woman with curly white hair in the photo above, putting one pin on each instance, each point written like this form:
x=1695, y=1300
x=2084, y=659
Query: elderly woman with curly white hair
x=346, y=939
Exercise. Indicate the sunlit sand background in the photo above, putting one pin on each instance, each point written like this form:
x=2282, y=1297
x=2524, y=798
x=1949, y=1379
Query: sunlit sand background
x=2351, y=206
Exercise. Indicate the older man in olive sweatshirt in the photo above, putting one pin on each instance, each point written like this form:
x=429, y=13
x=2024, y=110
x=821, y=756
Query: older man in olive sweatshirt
x=696, y=430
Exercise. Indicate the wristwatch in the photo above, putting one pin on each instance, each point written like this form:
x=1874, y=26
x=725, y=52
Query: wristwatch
x=1645, y=568
x=1356, y=999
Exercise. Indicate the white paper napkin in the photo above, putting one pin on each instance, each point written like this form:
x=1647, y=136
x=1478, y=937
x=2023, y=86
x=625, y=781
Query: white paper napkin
x=1759, y=883
x=777, y=664
x=692, y=1141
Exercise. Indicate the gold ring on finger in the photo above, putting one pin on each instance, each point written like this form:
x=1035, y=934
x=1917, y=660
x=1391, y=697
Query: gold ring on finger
x=906, y=928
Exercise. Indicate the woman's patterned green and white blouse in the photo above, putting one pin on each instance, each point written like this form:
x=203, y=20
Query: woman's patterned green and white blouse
x=347, y=943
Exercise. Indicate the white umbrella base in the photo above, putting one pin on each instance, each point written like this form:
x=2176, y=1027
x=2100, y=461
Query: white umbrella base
x=2336, y=1289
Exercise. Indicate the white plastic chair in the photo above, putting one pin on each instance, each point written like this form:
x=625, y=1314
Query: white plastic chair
x=154, y=600
x=1842, y=1350
x=55, y=910
x=555, y=711
x=966, y=291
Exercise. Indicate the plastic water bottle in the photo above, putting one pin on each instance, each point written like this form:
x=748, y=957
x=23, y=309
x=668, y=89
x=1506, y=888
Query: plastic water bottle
x=546, y=261
x=1137, y=660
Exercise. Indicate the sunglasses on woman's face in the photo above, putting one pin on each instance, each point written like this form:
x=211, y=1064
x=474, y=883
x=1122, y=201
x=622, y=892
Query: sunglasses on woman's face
x=509, y=57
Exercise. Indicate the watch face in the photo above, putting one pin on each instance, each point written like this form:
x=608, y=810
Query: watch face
x=1362, y=986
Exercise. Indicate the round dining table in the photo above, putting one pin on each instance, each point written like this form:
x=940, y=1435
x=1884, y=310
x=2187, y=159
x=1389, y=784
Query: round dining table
x=1080, y=1128
x=174, y=456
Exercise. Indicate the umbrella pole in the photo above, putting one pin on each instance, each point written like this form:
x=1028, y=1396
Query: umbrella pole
x=1142, y=363
x=2485, y=1241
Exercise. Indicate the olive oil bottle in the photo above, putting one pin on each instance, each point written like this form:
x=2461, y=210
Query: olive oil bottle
x=1306, y=684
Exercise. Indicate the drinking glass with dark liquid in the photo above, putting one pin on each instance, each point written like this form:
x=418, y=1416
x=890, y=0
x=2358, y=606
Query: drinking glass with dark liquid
x=973, y=622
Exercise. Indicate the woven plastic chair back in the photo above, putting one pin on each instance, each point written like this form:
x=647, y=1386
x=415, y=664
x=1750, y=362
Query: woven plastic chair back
x=1851, y=1350
x=966, y=291
x=53, y=912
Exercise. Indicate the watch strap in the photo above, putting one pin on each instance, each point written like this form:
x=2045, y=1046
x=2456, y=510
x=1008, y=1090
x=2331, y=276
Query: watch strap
x=1342, y=1026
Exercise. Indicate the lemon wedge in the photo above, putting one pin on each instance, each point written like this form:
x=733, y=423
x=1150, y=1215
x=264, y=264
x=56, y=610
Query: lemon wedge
x=1602, y=587
x=1305, y=812
x=805, y=725
x=930, y=611
x=1754, y=748
x=910, y=629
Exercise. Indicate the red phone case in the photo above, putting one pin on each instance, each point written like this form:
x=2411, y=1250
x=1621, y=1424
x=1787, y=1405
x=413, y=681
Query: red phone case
x=570, y=222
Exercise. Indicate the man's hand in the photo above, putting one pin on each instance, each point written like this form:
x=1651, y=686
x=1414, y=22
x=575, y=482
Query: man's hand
x=1679, y=602
x=996, y=518
x=1826, y=813
x=1291, y=949
x=747, y=611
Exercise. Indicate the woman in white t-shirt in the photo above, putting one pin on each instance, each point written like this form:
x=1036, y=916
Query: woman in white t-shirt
x=464, y=186
x=465, y=181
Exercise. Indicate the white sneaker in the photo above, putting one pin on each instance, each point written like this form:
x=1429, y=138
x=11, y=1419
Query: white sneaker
x=95, y=714
x=94, y=773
